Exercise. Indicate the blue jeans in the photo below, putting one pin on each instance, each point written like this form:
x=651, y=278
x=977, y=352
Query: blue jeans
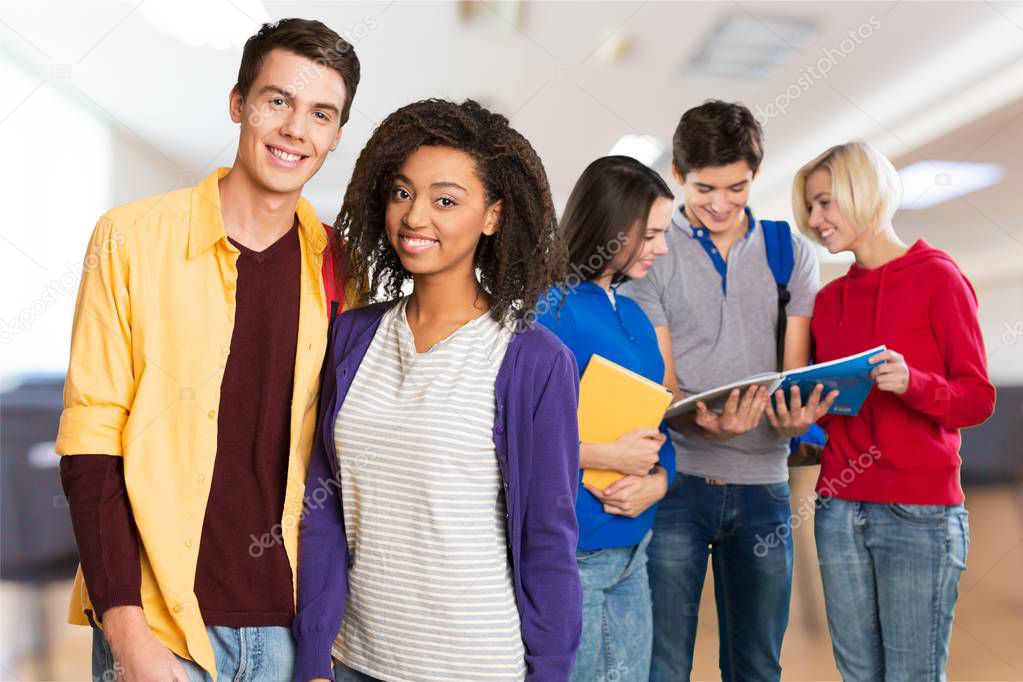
x=891, y=580
x=258, y=654
x=617, y=621
x=745, y=531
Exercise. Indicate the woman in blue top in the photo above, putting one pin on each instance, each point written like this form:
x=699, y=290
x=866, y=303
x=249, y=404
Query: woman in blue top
x=614, y=225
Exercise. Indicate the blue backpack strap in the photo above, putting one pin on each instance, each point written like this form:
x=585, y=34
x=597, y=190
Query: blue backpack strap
x=781, y=260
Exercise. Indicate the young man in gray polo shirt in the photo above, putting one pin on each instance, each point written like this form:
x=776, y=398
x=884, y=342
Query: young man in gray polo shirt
x=714, y=305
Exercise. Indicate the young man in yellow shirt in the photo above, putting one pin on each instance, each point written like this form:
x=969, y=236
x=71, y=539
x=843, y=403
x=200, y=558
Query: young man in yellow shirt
x=190, y=399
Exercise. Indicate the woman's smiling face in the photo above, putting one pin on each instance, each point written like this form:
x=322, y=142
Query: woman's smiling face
x=835, y=231
x=437, y=211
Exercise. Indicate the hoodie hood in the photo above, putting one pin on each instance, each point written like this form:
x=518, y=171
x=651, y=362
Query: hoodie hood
x=919, y=253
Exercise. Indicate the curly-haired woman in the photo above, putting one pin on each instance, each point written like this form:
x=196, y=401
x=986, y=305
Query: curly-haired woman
x=439, y=536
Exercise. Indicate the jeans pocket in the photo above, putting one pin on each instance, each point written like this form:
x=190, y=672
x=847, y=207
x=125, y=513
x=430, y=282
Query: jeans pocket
x=778, y=492
x=958, y=527
x=585, y=555
x=923, y=515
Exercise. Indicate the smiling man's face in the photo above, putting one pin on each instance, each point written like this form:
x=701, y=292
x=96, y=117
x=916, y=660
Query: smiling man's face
x=289, y=120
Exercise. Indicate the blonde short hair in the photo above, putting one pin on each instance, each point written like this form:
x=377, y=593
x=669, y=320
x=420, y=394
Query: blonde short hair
x=865, y=187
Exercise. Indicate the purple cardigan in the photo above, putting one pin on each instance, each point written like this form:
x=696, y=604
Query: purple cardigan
x=536, y=436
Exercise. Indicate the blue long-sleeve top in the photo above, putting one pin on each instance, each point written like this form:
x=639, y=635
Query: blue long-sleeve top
x=590, y=325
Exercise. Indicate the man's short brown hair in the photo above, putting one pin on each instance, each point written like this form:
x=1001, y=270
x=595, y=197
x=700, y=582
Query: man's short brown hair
x=307, y=38
x=717, y=133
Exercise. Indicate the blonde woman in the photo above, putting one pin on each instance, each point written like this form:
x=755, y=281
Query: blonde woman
x=892, y=532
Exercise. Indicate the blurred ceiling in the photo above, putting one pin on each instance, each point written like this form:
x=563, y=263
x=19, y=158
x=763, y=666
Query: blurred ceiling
x=920, y=80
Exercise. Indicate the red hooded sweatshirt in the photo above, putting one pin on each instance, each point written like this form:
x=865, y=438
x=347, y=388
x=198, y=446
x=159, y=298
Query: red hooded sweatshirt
x=904, y=448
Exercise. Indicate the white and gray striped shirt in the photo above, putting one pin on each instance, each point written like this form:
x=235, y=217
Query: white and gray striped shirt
x=430, y=586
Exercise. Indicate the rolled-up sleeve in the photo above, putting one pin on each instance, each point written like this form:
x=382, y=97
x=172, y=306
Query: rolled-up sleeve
x=100, y=385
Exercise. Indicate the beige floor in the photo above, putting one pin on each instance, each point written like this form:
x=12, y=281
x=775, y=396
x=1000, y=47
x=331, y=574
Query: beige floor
x=987, y=643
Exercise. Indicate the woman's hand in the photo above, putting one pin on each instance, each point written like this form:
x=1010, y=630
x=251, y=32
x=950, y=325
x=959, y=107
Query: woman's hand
x=636, y=453
x=893, y=374
x=795, y=418
x=633, y=495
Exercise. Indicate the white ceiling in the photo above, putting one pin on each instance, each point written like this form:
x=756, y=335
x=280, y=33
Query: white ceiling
x=930, y=80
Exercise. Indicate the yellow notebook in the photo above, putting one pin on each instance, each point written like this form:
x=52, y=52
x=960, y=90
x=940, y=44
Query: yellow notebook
x=612, y=402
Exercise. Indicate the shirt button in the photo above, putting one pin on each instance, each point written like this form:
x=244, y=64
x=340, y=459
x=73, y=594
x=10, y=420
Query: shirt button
x=225, y=351
x=188, y=542
x=499, y=428
x=200, y=479
x=211, y=414
x=177, y=608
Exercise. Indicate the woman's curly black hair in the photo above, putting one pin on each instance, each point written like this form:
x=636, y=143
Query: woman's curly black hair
x=519, y=262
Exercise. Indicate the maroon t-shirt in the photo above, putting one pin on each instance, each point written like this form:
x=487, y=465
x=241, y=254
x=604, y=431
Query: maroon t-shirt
x=241, y=579
x=243, y=576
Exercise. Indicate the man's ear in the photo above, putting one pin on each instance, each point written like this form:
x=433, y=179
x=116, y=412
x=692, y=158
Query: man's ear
x=492, y=219
x=679, y=178
x=337, y=138
x=235, y=104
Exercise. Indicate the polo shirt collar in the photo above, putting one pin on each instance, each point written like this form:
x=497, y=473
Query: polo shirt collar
x=680, y=220
x=206, y=221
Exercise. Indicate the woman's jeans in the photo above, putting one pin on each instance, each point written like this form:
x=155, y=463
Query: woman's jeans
x=617, y=623
x=891, y=579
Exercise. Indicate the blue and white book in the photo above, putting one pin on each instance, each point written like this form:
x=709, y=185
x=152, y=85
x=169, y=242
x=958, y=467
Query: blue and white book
x=850, y=375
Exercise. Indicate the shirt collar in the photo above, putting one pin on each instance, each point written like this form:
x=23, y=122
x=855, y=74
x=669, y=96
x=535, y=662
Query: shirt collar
x=589, y=286
x=681, y=221
x=206, y=221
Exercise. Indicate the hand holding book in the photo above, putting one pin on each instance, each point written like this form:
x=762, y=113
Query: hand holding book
x=892, y=374
x=619, y=415
x=794, y=419
x=634, y=452
x=738, y=415
x=632, y=495
x=853, y=376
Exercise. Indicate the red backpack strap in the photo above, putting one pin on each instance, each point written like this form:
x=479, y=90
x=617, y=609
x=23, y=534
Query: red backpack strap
x=335, y=296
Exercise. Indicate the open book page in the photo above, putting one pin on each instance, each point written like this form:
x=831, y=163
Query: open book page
x=849, y=375
x=715, y=398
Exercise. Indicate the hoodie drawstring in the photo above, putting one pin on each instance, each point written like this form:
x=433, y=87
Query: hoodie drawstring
x=877, y=304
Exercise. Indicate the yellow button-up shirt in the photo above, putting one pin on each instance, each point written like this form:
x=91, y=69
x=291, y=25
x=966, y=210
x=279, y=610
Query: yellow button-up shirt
x=152, y=331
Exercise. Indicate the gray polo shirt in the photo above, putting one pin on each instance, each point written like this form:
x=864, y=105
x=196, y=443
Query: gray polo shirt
x=718, y=337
